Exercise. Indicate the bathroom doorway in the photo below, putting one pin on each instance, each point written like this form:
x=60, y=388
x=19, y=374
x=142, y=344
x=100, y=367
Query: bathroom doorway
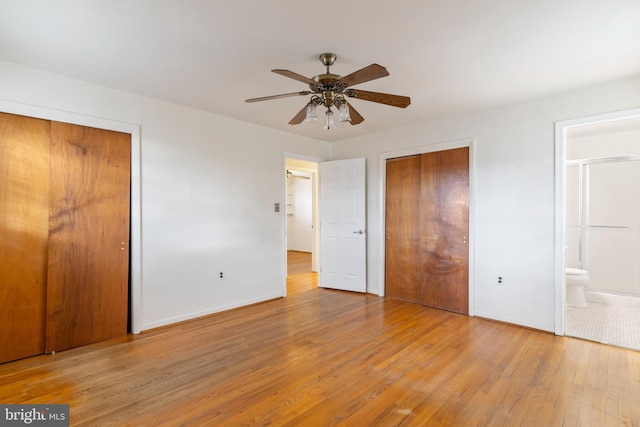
x=301, y=242
x=601, y=223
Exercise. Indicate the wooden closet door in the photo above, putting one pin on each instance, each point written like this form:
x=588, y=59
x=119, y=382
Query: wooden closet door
x=24, y=225
x=402, y=216
x=444, y=218
x=427, y=226
x=88, y=252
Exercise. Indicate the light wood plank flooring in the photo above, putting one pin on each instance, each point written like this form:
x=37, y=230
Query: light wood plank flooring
x=321, y=357
x=300, y=278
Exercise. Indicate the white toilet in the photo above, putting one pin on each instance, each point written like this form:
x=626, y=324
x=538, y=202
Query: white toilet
x=575, y=281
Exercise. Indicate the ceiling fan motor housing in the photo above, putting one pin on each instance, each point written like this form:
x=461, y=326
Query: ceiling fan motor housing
x=329, y=85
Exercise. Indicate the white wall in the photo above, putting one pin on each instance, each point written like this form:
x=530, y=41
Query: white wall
x=514, y=194
x=208, y=185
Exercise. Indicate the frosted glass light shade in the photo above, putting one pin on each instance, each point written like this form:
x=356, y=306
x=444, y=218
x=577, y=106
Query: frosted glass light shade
x=344, y=115
x=328, y=119
x=312, y=116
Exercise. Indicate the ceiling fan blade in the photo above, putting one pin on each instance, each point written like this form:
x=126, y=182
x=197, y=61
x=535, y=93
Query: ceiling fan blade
x=382, y=98
x=284, y=95
x=356, y=118
x=372, y=72
x=299, y=118
x=295, y=76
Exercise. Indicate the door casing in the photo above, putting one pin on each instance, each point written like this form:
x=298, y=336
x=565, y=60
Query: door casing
x=316, y=239
x=382, y=159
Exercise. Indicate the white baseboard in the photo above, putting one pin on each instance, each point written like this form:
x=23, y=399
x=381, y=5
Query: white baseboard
x=611, y=299
x=516, y=322
x=212, y=310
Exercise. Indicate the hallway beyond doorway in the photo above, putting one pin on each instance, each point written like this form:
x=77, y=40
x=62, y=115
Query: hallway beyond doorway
x=299, y=275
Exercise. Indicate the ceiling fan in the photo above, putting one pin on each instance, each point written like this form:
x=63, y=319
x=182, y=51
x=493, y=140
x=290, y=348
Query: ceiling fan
x=331, y=91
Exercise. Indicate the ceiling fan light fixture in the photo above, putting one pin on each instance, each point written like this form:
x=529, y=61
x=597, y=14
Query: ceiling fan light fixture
x=330, y=90
x=312, y=115
x=328, y=120
x=343, y=113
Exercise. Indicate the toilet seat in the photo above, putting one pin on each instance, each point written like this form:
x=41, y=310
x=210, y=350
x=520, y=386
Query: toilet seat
x=576, y=272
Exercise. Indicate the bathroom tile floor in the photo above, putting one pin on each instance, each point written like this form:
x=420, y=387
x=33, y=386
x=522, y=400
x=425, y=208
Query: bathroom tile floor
x=609, y=324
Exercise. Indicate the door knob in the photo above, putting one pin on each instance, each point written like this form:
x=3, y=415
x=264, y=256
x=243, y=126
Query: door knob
x=358, y=232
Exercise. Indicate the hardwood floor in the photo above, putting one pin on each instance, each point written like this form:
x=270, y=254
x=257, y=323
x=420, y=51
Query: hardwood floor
x=321, y=357
x=300, y=278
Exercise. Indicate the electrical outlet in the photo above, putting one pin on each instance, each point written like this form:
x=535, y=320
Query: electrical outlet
x=221, y=275
x=500, y=281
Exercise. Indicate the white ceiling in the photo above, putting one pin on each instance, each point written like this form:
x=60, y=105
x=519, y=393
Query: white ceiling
x=449, y=56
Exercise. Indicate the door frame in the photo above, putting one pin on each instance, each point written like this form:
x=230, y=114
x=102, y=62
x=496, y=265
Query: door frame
x=315, y=176
x=135, y=271
x=561, y=128
x=412, y=151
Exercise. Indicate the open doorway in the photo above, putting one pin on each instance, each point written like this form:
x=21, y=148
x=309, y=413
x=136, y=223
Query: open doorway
x=301, y=224
x=601, y=230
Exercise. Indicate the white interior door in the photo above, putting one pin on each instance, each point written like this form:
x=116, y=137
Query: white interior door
x=343, y=236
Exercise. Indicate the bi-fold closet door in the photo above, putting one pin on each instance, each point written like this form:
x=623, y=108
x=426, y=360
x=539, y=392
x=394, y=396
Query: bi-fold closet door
x=64, y=235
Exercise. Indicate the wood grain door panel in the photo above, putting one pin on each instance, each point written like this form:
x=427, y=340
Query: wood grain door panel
x=402, y=270
x=444, y=230
x=24, y=224
x=88, y=250
x=427, y=225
